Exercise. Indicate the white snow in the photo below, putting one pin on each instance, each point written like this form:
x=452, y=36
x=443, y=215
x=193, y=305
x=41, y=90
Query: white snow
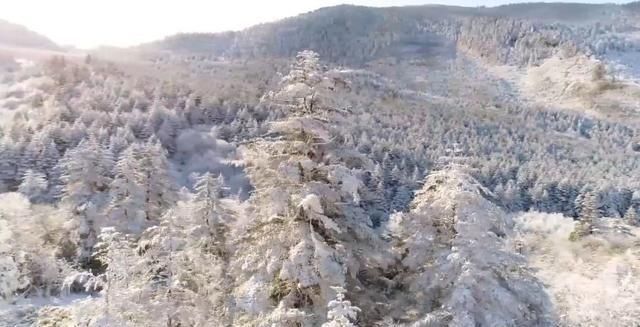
x=593, y=282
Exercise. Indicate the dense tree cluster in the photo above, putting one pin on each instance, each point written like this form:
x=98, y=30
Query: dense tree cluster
x=571, y=154
x=530, y=157
x=228, y=208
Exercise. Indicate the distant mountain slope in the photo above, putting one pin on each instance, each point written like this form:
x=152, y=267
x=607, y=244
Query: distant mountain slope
x=344, y=34
x=355, y=35
x=18, y=35
x=633, y=6
x=335, y=32
x=559, y=12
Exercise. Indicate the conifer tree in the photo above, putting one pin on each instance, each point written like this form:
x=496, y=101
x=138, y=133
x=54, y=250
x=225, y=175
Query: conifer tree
x=305, y=203
x=8, y=162
x=458, y=232
x=207, y=208
x=87, y=170
x=159, y=192
x=631, y=217
x=126, y=191
x=589, y=214
x=86, y=174
x=34, y=185
x=341, y=312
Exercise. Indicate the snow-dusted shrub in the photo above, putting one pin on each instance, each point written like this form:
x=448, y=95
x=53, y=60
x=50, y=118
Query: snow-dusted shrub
x=84, y=282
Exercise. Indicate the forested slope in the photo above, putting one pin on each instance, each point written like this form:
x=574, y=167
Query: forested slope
x=239, y=182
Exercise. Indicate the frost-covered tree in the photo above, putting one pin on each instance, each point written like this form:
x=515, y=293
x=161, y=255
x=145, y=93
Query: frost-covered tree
x=401, y=198
x=121, y=284
x=589, y=215
x=305, y=90
x=34, y=185
x=40, y=154
x=156, y=182
x=208, y=192
x=32, y=245
x=451, y=246
x=341, y=313
x=305, y=207
x=86, y=174
x=631, y=217
x=126, y=207
x=8, y=162
x=12, y=279
x=120, y=140
x=208, y=246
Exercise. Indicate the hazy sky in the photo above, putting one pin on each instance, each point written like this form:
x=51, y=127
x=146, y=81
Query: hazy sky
x=89, y=23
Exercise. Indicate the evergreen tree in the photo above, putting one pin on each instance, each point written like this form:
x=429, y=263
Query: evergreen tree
x=126, y=191
x=396, y=175
x=48, y=158
x=86, y=172
x=120, y=140
x=459, y=232
x=631, y=217
x=401, y=198
x=8, y=162
x=159, y=193
x=12, y=278
x=416, y=177
x=29, y=155
x=341, y=313
x=589, y=214
x=206, y=202
x=512, y=196
x=34, y=185
x=567, y=195
x=207, y=209
x=304, y=205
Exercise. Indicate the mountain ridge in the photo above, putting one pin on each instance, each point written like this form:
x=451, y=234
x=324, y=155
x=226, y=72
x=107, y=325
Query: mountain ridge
x=354, y=35
x=18, y=35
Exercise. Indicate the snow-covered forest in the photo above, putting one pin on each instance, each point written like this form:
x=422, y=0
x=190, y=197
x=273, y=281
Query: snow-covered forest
x=265, y=179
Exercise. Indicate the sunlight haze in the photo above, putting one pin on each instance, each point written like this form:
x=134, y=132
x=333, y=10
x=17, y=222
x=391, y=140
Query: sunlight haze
x=125, y=23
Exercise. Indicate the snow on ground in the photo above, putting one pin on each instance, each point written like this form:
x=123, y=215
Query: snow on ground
x=592, y=282
x=573, y=83
x=25, y=63
x=26, y=311
x=199, y=150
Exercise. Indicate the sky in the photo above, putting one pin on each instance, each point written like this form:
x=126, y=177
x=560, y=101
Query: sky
x=91, y=23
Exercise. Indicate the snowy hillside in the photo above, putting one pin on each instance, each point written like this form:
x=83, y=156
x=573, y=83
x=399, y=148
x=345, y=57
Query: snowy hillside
x=16, y=35
x=430, y=166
